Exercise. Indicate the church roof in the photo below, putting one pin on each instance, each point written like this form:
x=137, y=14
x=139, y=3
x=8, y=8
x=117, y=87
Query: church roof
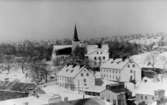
x=75, y=34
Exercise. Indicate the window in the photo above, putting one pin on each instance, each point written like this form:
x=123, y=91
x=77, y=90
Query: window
x=84, y=80
x=100, y=52
x=133, y=65
x=141, y=97
x=97, y=52
x=82, y=74
x=87, y=74
x=131, y=71
x=95, y=58
x=146, y=97
x=103, y=58
x=152, y=98
x=128, y=66
x=99, y=58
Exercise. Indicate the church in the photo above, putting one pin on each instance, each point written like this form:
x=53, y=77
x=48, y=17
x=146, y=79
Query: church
x=96, y=54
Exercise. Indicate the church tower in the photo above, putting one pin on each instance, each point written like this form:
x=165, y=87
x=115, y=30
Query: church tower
x=75, y=41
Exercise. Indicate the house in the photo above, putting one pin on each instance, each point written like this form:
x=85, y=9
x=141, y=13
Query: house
x=94, y=91
x=150, y=97
x=75, y=77
x=97, y=54
x=151, y=90
x=115, y=94
x=120, y=70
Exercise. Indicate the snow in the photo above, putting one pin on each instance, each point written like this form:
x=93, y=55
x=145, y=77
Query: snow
x=116, y=64
x=72, y=95
x=14, y=75
x=50, y=90
x=58, y=47
x=150, y=86
x=92, y=48
x=95, y=89
x=70, y=71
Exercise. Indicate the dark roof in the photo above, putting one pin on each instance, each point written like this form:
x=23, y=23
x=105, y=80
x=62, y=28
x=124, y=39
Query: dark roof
x=88, y=101
x=75, y=34
x=64, y=51
x=156, y=70
x=116, y=88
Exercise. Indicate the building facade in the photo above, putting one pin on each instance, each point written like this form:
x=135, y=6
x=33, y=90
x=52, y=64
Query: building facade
x=114, y=95
x=75, y=77
x=121, y=70
x=97, y=54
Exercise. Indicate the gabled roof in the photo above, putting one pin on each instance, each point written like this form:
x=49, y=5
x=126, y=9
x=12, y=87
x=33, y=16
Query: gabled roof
x=92, y=48
x=115, y=64
x=57, y=47
x=71, y=70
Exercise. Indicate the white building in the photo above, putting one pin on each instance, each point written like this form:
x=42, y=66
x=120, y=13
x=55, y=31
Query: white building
x=97, y=54
x=151, y=90
x=75, y=77
x=121, y=70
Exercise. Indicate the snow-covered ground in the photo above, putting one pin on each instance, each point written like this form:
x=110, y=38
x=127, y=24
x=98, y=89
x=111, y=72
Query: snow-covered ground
x=150, y=86
x=14, y=75
x=50, y=90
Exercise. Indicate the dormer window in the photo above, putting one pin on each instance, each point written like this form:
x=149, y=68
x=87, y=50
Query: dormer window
x=149, y=63
x=72, y=71
x=67, y=70
x=133, y=65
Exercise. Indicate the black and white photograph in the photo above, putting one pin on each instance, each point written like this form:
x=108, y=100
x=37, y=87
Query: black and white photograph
x=83, y=52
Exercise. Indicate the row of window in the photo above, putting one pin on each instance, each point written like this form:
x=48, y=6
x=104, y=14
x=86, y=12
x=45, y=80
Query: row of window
x=113, y=77
x=99, y=52
x=109, y=70
x=145, y=97
x=133, y=65
x=100, y=58
x=87, y=74
x=64, y=78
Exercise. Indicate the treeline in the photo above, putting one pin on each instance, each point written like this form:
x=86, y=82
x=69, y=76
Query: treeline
x=43, y=50
x=123, y=49
x=27, y=49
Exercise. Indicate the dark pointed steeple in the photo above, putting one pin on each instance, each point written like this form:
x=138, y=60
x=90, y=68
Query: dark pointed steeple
x=75, y=34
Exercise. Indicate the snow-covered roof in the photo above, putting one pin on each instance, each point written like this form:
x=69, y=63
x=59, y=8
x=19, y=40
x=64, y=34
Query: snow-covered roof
x=149, y=87
x=95, y=89
x=92, y=48
x=58, y=47
x=148, y=59
x=70, y=70
x=116, y=64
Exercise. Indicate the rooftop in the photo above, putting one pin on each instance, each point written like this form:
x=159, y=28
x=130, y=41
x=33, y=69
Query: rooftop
x=116, y=64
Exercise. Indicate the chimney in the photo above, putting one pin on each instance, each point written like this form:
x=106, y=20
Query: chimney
x=99, y=45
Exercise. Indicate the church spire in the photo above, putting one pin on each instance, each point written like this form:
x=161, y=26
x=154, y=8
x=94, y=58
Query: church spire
x=75, y=34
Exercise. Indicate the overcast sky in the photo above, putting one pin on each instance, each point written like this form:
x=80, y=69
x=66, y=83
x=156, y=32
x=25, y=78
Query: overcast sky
x=51, y=19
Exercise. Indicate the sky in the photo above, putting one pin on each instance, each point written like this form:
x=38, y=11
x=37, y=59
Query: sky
x=54, y=19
